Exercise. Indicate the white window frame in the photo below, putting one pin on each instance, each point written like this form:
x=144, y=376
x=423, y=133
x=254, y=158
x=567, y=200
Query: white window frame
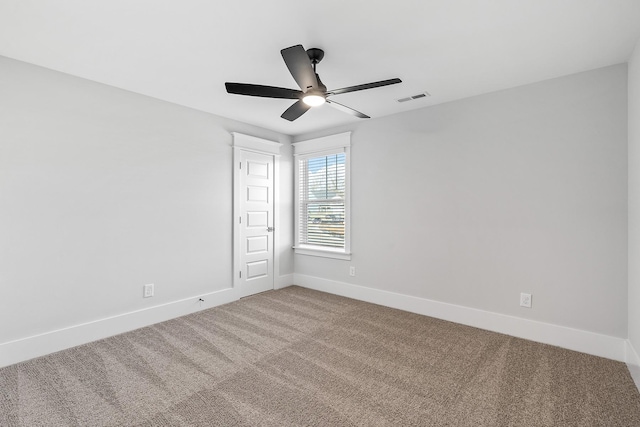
x=340, y=143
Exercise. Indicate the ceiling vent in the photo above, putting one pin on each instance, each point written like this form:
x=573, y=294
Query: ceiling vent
x=411, y=98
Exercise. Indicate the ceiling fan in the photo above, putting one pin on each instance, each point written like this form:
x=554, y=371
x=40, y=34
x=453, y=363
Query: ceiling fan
x=302, y=65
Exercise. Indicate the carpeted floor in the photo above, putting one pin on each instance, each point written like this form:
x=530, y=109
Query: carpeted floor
x=297, y=357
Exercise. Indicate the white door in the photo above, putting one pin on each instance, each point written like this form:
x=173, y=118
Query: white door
x=256, y=222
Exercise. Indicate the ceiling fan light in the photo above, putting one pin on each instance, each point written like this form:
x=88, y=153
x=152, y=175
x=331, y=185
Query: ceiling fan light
x=313, y=100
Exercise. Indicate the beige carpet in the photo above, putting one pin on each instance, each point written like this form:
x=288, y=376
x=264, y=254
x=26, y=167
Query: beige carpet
x=297, y=357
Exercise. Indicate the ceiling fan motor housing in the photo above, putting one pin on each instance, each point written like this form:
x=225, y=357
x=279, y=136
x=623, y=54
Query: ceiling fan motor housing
x=315, y=55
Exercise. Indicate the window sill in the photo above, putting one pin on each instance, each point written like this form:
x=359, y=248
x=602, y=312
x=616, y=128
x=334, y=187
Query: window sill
x=322, y=252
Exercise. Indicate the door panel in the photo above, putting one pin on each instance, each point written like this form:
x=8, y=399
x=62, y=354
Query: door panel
x=258, y=170
x=257, y=219
x=257, y=244
x=257, y=194
x=257, y=269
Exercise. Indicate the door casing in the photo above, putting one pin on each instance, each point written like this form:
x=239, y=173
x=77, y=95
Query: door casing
x=242, y=142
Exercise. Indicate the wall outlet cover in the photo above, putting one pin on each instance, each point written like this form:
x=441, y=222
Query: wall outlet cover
x=147, y=291
x=525, y=300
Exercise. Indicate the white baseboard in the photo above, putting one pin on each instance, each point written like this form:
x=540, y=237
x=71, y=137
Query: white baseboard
x=560, y=336
x=49, y=342
x=283, y=281
x=633, y=362
x=39, y=345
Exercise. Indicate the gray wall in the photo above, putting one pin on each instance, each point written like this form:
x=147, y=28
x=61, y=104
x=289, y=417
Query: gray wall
x=470, y=203
x=634, y=199
x=103, y=191
x=475, y=201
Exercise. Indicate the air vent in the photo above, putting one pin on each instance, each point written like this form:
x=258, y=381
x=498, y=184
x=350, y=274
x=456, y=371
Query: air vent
x=411, y=98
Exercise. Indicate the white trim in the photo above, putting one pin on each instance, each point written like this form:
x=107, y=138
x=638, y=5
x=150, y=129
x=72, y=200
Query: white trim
x=632, y=357
x=49, y=342
x=561, y=336
x=321, y=252
x=284, y=281
x=249, y=142
x=276, y=220
x=633, y=363
x=347, y=201
x=322, y=153
x=237, y=155
x=315, y=145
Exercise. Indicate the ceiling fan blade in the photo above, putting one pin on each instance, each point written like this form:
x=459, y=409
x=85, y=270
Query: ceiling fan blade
x=299, y=66
x=347, y=109
x=295, y=111
x=263, y=91
x=364, y=86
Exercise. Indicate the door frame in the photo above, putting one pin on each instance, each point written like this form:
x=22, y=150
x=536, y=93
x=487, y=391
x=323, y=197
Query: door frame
x=242, y=142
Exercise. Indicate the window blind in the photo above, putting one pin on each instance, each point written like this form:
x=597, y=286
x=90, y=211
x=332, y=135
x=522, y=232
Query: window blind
x=322, y=200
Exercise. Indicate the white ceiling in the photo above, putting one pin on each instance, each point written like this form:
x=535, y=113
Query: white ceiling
x=183, y=51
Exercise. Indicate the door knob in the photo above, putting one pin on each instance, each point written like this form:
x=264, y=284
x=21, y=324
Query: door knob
x=269, y=229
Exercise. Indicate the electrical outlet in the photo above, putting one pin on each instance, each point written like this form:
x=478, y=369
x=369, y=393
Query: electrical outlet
x=352, y=271
x=525, y=300
x=147, y=291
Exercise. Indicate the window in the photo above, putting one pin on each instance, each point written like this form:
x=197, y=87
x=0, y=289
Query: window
x=322, y=196
x=321, y=207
